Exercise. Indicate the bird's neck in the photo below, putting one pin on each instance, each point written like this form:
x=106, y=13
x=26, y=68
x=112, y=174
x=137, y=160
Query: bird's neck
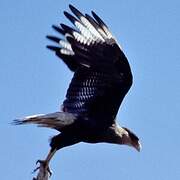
x=115, y=135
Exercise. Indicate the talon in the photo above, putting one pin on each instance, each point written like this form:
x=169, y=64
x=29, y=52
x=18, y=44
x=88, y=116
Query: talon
x=36, y=169
x=40, y=161
x=43, y=167
x=50, y=172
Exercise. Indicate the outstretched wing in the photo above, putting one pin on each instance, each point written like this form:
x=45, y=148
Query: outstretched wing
x=102, y=74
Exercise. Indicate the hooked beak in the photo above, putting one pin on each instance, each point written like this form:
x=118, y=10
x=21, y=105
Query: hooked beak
x=138, y=146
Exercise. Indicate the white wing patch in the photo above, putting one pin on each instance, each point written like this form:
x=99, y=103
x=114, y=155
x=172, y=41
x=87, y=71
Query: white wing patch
x=86, y=33
x=65, y=45
x=66, y=52
x=89, y=30
x=109, y=35
x=79, y=37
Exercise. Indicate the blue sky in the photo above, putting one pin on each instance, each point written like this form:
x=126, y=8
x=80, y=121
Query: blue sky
x=34, y=81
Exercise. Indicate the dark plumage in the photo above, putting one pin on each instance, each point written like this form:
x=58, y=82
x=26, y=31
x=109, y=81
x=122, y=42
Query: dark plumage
x=102, y=77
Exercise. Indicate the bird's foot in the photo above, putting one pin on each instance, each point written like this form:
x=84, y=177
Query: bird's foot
x=45, y=165
x=44, y=170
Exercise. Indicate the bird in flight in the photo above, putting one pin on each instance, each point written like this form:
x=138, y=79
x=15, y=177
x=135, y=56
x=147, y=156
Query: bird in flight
x=102, y=78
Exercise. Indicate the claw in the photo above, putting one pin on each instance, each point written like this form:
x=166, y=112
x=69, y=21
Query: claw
x=36, y=169
x=50, y=172
x=43, y=168
x=44, y=171
x=40, y=162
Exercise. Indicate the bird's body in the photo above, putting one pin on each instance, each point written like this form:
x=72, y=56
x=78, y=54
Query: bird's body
x=102, y=78
x=93, y=95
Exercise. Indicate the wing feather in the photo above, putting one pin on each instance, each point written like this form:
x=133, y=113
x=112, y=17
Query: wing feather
x=102, y=74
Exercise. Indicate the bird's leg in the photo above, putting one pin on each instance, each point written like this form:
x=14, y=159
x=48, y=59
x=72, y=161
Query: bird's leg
x=44, y=169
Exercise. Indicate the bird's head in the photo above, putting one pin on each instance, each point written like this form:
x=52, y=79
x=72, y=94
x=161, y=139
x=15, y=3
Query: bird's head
x=129, y=138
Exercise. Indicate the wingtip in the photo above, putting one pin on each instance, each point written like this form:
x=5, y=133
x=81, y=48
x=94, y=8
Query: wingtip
x=70, y=17
x=98, y=19
x=71, y=7
x=63, y=26
x=52, y=48
x=67, y=29
x=58, y=29
x=75, y=11
x=53, y=38
x=93, y=13
x=65, y=13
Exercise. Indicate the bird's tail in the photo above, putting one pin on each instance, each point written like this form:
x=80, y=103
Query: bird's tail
x=56, y=120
